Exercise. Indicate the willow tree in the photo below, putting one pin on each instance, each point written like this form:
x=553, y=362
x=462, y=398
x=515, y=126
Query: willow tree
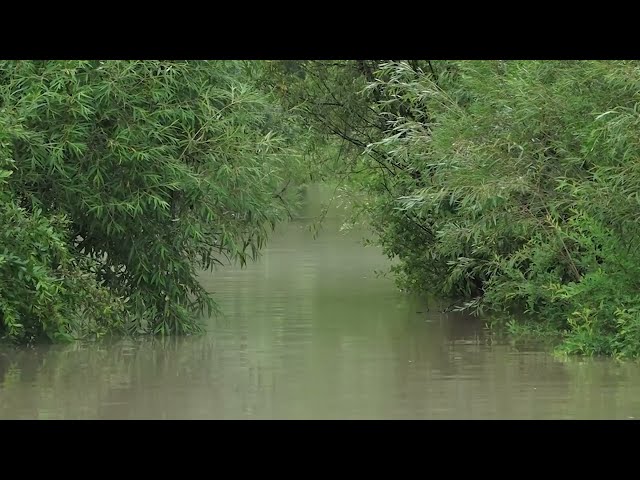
x=531, y=193
x=148, y=171
x=510, y=186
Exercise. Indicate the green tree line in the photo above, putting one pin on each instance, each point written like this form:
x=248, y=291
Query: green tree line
x=119, y=180
x=510, y=187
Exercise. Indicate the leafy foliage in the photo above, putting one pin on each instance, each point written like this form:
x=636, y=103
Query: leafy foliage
x=137, y=174
x=509, y=185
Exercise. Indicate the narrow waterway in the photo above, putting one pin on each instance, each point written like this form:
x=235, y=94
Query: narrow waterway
x=310, y=332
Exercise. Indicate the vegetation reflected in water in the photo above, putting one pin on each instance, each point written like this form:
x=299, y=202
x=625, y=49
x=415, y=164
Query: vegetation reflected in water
x=311, y=332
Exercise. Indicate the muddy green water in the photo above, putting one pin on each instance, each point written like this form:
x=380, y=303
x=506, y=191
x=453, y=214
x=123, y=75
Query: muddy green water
x=311, y=333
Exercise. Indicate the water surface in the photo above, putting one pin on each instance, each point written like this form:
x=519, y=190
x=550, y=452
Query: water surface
x=310, y=332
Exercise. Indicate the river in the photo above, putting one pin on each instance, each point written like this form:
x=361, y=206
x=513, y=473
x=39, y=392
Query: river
x=311, y=332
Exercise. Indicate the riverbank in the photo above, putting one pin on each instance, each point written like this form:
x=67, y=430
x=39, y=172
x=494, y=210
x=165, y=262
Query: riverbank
x=308, y=332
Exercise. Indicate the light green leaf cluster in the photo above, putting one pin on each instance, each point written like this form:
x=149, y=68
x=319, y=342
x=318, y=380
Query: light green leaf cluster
x=509, y=186
x=158, y=168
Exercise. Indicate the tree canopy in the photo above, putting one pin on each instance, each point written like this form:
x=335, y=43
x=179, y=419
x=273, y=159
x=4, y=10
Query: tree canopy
x=132, y=175
x=510, y=187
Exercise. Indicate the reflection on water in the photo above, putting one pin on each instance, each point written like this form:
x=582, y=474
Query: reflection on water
x=311, y=332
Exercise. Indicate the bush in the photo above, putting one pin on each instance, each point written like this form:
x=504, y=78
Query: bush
x=511, y=186
x=531, y=193
x=127, y=178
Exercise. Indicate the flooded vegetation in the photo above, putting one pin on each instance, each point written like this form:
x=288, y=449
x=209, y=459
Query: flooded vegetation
x=309, y=332
x=163, y=252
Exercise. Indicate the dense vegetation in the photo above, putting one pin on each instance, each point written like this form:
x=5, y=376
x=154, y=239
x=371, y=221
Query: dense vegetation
x=119, y=180
x=509, y=186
